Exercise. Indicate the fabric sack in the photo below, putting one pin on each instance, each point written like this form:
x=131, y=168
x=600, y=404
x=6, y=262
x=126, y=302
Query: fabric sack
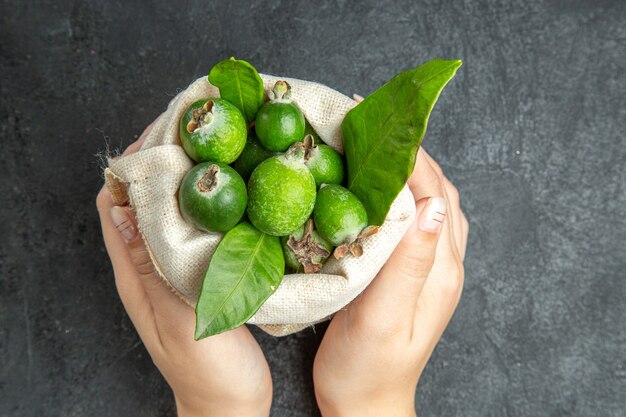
x=148, y=181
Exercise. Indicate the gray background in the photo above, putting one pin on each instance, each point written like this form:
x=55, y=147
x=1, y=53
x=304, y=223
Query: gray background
x=531, y=131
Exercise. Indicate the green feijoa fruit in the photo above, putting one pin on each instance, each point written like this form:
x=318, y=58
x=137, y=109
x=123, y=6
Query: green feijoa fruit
x=305, y=250
x=281, y=195
x=253, y=154
x=341, y=219
x=279, y=123
x=213, y=130
x=212, y=197
x=324, y=162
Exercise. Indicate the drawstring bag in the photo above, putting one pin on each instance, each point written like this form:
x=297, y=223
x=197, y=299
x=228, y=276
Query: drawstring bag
x=148, y=182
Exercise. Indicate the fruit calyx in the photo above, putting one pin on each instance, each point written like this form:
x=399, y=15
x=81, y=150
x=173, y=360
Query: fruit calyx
x=301, y=150
x=200, y=117
x=280, y=92
x=209, y=182
x=307, y=250
x=356, y=247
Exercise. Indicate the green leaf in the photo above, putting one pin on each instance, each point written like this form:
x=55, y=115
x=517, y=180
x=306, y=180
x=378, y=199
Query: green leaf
x=246, y=268
x=382, y=134
x=240, y=84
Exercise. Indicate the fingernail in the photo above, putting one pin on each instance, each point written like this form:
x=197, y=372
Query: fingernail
x=432, y=216
x=357, y=98
x=123, y=223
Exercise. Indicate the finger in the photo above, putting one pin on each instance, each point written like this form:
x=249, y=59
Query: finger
x=424, y=181
x=428, y=176
x=455, y=215
x=438, y=301
x=465, y=232
x=174, y=318
x=357, y=98
x=161, y=296
x=450, y=241
x=131, y=291
x=441, y=292
x=459, y=221
x=392, y=296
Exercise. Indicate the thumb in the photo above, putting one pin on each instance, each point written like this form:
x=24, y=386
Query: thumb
x=160, y=295
x=413, y=258
x=392, y=296
x=126, y=225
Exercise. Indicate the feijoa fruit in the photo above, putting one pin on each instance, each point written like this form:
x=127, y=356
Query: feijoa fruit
x=214, y=130
x=341, y=219
x=279, y=123
x=281, y=195
x=212, y=197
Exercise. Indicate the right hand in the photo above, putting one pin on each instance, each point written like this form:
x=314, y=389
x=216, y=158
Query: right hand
x=375, y=349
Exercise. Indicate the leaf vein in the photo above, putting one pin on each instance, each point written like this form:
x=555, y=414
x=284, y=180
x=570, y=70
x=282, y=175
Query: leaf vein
x=245, y=273
x=359, y=170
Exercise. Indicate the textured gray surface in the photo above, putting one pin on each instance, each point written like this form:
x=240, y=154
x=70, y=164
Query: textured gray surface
x=531, y=131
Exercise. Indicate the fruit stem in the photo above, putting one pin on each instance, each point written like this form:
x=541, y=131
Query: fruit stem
x=209, y=181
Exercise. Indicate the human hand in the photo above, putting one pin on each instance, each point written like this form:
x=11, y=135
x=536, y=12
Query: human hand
x=223, y=375
x=375, y=349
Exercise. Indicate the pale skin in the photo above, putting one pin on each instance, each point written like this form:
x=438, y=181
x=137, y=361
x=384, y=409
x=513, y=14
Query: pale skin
x=374, y=351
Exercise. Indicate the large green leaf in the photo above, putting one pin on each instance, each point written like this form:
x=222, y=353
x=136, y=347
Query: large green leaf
x=382, y=134
x=240, y=84
x=246, y=268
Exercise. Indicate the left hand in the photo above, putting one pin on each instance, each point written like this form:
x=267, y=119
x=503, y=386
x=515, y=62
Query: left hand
x=223, y=375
